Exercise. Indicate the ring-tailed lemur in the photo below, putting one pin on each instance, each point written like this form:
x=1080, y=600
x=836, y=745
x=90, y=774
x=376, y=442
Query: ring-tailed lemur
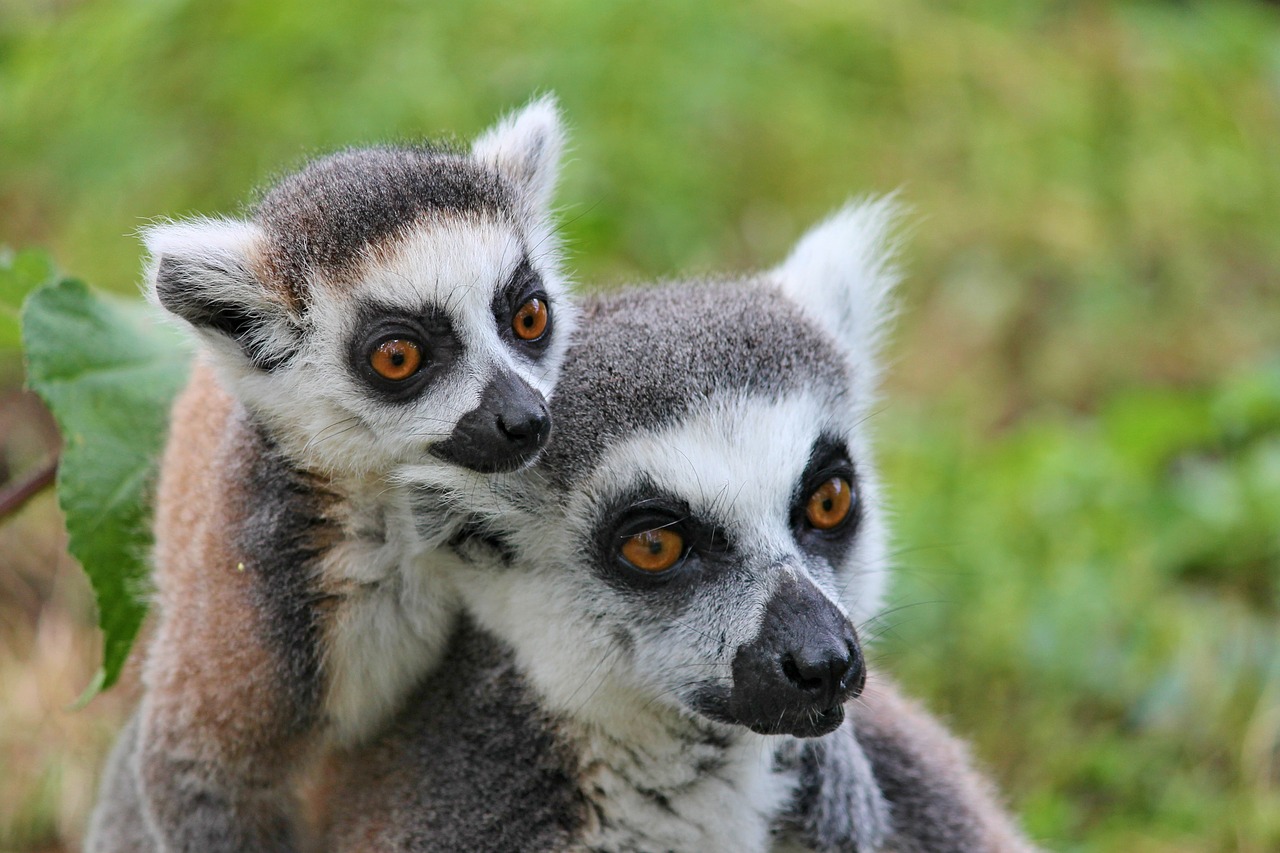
x=659, y=647
x=383, y=307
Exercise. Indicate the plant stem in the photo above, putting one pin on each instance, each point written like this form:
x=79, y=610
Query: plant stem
x=15, y=496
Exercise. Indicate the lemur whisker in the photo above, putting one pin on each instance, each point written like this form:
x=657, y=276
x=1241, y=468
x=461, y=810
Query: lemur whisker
x=673, y=691
x=599, y=682
x=698, y=631
x=349, y=423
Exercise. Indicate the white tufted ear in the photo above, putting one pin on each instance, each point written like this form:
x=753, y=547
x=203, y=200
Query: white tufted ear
x=526, y=147
x=201, y=271
x=843, y=273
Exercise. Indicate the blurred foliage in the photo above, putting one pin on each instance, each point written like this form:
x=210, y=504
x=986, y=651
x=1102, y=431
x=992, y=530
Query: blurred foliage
x=1095, y=601
x=20, y=274
x=1082, y=425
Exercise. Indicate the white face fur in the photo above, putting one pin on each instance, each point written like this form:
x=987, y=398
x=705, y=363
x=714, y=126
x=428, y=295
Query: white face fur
x=369, y=261
x=601, y=638
x=719, y=414
x=454, y=268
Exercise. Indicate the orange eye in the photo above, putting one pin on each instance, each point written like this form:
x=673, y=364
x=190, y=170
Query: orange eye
x=830, y=504
x=531, y=320
x=396, y=359
x=654, y=550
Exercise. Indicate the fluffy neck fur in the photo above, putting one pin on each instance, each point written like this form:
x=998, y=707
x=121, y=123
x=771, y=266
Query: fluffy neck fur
x=655, y=782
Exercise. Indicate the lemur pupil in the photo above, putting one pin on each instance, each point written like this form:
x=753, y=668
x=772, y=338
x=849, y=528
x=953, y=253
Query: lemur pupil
x=655, y=546
x=828, y=504
x=397, y=358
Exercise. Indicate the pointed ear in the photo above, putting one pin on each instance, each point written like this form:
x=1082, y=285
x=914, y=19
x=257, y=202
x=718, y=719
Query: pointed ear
x=843, y=273
x=201, y=271
x=526, y=146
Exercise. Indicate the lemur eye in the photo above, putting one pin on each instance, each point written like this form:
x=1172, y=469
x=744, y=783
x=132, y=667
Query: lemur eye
x=653, y=550
x=396, y=359
x=829, y=505
x=530, y=321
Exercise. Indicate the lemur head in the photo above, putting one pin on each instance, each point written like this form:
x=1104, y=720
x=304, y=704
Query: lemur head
x=388, y=305
x=705, y=530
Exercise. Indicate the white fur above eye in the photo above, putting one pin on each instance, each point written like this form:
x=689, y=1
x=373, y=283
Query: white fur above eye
x=740, y=459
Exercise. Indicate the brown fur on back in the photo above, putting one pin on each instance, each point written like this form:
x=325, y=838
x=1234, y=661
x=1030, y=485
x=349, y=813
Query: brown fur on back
x=232, y=676
x=211, y=658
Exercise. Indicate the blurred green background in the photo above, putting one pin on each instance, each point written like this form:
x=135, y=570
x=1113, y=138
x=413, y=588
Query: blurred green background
x=1081, y=430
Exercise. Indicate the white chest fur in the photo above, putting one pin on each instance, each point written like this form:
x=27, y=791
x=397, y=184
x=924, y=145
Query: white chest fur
x=395, y=610
x=665, y=793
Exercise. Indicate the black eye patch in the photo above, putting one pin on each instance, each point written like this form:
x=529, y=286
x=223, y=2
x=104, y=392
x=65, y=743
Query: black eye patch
x=829, y=463
x=620, y=541
x=430, y=330
x=523, y=286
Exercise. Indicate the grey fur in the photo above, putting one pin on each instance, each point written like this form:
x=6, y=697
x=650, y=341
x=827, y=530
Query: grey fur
x=654, y=352
x=471, y=764
x=839, y=806
x=937, y=799
x=325, y=216
x=287, y=531
x=476, y=763
x=118, y=822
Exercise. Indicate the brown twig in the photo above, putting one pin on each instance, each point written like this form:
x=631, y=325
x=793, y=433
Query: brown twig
x=14, y=497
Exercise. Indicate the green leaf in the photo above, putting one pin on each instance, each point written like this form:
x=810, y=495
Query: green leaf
x=108, y=371
x=19, y=275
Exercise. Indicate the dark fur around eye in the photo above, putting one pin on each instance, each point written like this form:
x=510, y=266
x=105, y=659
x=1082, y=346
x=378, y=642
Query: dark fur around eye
x=523, y=285
x=430, y=329
x=641, y=521
x=647, y=508
x=643, y=507
x=829, y=458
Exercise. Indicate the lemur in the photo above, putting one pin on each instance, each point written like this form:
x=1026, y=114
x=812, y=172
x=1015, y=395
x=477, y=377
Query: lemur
x=658, y=651
x=382, y=307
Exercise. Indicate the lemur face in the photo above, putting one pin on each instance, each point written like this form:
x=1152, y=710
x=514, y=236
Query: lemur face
x=723, y=544
x=704, y=531
x=444, y=345
x=389, y=306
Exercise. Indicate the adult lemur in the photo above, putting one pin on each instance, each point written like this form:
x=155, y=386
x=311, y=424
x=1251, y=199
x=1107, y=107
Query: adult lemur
x=659, y=649
x=382, y=307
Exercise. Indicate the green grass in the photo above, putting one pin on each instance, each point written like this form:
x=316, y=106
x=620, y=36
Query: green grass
x=1082, y=428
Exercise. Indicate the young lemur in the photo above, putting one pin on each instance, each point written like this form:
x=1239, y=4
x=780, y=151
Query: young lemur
x=659, y=651
x=383, y=307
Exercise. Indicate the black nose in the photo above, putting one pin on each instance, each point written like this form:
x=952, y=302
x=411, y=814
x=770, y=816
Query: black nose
x=504, y=432
x=827, y=672
x=525, y=427
x=798, y=672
